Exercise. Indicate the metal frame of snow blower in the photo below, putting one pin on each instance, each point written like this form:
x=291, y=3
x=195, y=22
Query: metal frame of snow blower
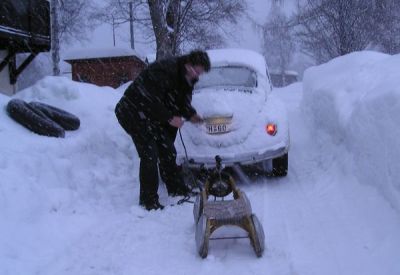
x=209, y=215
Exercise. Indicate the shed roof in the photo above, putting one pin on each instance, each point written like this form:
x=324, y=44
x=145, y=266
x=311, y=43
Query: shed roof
x=95, y=53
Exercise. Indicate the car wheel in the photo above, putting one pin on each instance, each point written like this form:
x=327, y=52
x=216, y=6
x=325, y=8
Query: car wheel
x=280, y=166
x=276, y=167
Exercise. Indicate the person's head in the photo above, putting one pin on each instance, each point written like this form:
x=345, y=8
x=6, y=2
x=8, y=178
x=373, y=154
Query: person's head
x=196, y=63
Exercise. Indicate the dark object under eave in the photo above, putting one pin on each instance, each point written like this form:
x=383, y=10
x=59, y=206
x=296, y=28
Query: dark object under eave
x=25, y=25
x=24, y=28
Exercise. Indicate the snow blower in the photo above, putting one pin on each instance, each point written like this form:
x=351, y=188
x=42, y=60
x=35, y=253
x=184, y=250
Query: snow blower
x=212, y=210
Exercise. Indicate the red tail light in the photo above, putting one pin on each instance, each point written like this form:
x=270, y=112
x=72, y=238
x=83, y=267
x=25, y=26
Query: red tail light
x=271, y=129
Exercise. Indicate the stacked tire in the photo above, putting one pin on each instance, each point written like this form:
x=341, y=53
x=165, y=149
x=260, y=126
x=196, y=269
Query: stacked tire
x=42, y=119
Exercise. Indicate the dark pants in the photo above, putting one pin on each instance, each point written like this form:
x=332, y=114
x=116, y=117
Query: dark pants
x=155, y=146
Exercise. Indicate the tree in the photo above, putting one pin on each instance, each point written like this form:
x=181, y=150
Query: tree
x=55, y=37
x=180, y=24
x=70, y=20
x=278, y=41
x=385, y=25
x=327, y=29
x=120, y=12
x=201, y=22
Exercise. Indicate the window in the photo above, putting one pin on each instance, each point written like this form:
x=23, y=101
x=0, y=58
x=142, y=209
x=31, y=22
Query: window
x=228, y=76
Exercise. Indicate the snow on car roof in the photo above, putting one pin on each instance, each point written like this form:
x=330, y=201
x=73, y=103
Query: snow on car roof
x=252, y=59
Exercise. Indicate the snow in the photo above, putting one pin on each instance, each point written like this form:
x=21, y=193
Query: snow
x=223, y=57
x=217, y=95
x=151, y=57
x=247, y=135
x=359, y=106
x=70, y=206
x=90, y=53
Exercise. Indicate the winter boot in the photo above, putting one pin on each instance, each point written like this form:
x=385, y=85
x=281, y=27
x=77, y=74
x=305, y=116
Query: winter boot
x=153, y=206
x=181, y=190
x=150, y=204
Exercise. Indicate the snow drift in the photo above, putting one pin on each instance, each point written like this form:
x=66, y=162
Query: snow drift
x=356, y=100
x=70, y=206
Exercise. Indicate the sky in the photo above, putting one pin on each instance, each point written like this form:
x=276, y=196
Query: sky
x=70, y=205
x=246, y=36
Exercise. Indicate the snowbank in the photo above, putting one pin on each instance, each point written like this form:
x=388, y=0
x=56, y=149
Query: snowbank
x=356, y=100
x=70, y=205
x=91, y=53
x=52, y=174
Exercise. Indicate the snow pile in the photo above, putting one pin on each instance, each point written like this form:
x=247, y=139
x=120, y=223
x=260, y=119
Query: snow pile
x=223, y=57
x=93, y=53
x=70, y=205
x=49, y=174
x=356, y=100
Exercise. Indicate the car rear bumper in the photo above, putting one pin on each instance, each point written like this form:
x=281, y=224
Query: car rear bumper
x=229, y=160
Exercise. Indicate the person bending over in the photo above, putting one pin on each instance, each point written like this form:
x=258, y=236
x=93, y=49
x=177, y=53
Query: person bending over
x=151, y=110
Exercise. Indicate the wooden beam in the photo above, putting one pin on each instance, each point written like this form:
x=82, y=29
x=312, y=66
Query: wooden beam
x=4, y=63
x=15, y=72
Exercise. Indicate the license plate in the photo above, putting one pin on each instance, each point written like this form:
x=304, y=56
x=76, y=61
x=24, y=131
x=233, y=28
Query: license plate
x=217, y=128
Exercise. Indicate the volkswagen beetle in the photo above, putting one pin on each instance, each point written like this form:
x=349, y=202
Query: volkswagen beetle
x=244, y=123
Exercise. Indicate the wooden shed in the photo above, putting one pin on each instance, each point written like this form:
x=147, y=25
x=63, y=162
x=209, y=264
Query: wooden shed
x=105, y=67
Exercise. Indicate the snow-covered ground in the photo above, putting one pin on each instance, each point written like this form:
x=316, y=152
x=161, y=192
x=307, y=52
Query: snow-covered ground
x=70, y=206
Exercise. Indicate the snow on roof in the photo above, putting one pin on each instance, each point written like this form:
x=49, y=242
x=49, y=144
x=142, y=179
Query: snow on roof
x=252, y=59
x=151, y=57
x=90, y=53
x=7, y=29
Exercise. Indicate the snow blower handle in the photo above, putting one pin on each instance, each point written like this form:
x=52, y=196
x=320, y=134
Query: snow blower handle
x=218, y=161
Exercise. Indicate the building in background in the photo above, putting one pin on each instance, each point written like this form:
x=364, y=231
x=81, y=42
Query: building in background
x=280, y=79
x=24, y=28
x=105, y=67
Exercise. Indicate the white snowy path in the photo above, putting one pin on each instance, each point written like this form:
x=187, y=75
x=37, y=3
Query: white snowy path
x=320, y=218
x=317, y=220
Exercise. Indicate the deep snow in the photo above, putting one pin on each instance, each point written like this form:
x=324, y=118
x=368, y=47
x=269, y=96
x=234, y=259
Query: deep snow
x=70, y=206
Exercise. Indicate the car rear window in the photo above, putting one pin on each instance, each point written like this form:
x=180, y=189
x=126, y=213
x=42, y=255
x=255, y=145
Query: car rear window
x=228, y=76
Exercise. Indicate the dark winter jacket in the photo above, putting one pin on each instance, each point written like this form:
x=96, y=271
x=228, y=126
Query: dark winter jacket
x=160, y=92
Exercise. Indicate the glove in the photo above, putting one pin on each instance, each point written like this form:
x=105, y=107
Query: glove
x=196, y=119
x=176, y=121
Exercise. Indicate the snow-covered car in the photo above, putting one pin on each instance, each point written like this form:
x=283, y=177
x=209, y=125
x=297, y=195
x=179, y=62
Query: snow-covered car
x=245, y=125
